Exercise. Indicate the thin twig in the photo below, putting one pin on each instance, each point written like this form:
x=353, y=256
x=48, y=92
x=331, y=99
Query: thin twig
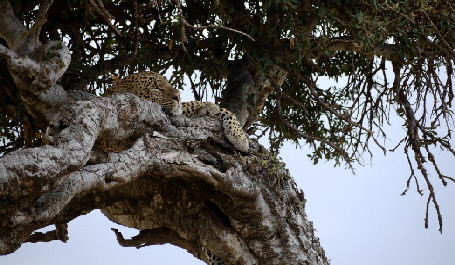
x=301, y=134
x=450, y=49
x=185, y=23
x=220, y=27
x=400, y=13
x=345, y=116
x=105, y=14
x=413, y=141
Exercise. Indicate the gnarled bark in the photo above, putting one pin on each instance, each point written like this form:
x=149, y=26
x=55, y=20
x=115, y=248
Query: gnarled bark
x=179, y=175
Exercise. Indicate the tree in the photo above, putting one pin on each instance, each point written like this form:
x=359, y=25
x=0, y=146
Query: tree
x=262, y=60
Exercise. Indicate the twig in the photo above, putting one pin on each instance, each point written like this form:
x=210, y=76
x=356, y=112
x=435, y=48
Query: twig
x=220, y=27
x=400, y=13
x=345, y=117
x=450, y=49
x=413, y=141
x=301, y=134
x=411, y=176
x=185, y=23
x=106, y=15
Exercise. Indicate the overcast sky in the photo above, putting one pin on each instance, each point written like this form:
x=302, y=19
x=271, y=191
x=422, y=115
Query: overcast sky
x=360, y=219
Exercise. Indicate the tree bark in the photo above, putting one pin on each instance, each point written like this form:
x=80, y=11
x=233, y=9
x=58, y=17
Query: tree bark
x=180, y=174
x=248, y=89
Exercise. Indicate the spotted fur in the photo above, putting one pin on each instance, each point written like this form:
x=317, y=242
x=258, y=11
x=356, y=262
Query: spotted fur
x=150, y=86
x=232, y=129
x=155, y=87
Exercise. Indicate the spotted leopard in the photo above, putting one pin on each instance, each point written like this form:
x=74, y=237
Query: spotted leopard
x=155, y=87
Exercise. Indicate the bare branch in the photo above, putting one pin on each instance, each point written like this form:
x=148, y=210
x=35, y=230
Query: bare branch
x=416, y=144
x=345, y=116
x=148, y=237
x=184, y=24
x=60, y=233
x=99, y=8
x=301, y=134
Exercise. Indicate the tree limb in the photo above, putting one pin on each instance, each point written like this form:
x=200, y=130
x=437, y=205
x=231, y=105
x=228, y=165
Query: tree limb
x=11, y=28
x=244, y=207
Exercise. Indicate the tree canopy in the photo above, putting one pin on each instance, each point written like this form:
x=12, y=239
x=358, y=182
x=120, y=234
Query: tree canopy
x=387, y=57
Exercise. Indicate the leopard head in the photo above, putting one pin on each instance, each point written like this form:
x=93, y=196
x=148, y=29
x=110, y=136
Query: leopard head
x=150, y=86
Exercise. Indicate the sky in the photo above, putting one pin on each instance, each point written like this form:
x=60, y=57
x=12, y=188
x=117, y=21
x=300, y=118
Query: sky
x=359, y=219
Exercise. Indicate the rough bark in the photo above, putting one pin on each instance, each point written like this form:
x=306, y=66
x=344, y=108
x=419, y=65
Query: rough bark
x=248, y=89
x=180, y=175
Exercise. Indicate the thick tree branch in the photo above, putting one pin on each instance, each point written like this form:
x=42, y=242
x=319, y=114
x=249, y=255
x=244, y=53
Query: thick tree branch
x=11, y=28
x=245, y=209
x=60, y=233
x=35, y=30
x=178, y=179
x=38, y=76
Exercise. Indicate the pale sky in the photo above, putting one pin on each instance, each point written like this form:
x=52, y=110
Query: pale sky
x=360, y=219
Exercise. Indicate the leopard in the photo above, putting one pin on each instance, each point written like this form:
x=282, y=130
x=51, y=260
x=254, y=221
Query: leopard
x=150, y=86
x=155, y=87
